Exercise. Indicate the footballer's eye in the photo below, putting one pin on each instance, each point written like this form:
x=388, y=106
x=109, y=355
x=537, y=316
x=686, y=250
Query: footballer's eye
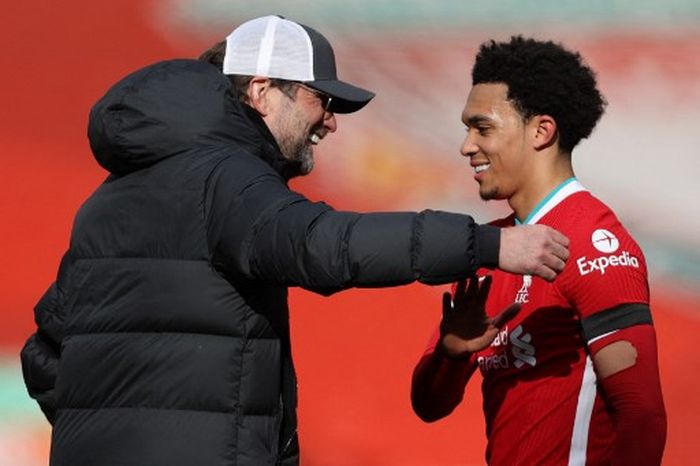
x=480, y=129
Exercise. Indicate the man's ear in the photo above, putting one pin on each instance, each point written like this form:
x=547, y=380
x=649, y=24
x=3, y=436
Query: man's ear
x=259, y=96
x=545, y=131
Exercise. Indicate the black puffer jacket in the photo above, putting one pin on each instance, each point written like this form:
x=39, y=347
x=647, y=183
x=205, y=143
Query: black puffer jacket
x=165, y=339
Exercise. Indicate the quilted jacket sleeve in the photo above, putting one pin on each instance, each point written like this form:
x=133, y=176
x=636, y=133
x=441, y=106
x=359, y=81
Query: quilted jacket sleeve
x=270, y=233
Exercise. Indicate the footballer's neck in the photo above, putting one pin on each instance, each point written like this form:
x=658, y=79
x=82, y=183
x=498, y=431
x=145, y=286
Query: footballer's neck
x=539, y=183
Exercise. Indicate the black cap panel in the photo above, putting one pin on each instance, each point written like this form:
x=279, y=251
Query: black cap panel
x=324, y=58
x=346, y=97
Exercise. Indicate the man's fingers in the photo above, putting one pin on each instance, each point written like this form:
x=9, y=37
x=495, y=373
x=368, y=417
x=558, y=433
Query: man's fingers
x=560, y=238
x=556, y=245
x=545, y=272
x=506, y=316
x=560, y=251
x=555, y=256
x=533, y=249
x=554, y=263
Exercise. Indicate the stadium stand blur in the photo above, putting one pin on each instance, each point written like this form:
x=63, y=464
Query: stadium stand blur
x=355, y=351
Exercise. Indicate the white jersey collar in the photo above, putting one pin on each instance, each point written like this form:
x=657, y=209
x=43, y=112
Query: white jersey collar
x=558, y=194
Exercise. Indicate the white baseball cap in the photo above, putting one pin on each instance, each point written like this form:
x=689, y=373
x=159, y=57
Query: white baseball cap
x=275, y=47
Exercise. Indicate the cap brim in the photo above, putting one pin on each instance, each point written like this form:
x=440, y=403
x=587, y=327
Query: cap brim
x=346, y=97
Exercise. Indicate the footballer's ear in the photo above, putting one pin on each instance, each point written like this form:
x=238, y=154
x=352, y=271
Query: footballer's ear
x=545, y=131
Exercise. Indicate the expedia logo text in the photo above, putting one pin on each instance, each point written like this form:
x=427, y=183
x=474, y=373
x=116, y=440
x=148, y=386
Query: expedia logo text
x=599, y=264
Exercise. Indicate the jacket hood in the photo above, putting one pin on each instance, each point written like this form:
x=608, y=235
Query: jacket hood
x=168, y=108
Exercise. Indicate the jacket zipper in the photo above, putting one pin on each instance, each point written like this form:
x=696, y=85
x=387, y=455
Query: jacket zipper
x=286, y=445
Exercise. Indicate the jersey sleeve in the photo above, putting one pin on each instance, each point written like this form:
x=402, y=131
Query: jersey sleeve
x=438, y=382
x=605, y=278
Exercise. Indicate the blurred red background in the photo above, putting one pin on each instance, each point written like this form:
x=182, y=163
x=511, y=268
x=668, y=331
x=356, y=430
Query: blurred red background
x=354, y=351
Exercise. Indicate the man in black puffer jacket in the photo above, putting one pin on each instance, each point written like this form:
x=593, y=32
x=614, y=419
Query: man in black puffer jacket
x=165, y=338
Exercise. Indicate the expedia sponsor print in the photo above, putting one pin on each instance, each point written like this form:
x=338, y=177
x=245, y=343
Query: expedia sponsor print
x=606, y=242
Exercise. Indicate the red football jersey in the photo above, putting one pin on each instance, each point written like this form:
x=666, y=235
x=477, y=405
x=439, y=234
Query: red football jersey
x=541, y=403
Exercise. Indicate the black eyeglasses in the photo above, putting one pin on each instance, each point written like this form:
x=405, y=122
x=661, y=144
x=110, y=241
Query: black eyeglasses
x=322, y=96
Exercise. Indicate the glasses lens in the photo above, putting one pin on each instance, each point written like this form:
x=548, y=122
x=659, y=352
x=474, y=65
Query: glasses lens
x=323, y=97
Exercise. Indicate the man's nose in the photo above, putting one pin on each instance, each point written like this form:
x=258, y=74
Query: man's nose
x=468, y=147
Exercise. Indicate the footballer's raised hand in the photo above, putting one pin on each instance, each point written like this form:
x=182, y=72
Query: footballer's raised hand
x=465, y=328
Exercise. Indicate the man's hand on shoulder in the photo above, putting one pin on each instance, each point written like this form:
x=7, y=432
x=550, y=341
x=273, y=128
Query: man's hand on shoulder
x=533, y=249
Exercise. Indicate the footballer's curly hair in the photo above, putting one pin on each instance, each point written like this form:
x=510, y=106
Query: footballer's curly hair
x=544, y=78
